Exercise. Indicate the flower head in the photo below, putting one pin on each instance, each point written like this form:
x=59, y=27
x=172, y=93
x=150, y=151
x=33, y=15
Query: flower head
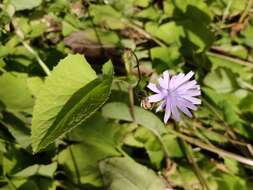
x=175, y=94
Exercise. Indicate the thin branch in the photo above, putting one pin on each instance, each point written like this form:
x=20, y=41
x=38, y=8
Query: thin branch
x=192, y=160
x=245, y=84
x=145, y=33
x=213, y=149
x=20, y=34
x=37, y=57
x=228, y=58
x=164, y=147
x=246, y=11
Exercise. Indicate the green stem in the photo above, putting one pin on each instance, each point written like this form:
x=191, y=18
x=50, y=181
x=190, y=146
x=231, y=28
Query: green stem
x=165, y=150
x=20, y=34
x=191, y=159
x=75, y=165
x=37, y=57
x=13, y=186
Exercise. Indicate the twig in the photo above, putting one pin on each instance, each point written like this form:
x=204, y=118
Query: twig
x=191, y=159
x=246, y=11
x=145, y=33
x=226, y=11
x=213, y=149
x=235, y=60
x=164, y=147
x=211, y=108
x=246, y=85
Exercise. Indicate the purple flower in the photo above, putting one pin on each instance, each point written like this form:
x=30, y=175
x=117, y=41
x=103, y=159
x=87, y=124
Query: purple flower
x=175, y=94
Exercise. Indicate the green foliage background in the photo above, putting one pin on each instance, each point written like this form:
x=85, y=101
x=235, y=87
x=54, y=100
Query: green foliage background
x=71, y=94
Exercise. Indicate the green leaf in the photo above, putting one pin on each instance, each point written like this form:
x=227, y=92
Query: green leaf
x=35, y=84
x=232, y=165
x=246, y=104
x=151, y=144
x=150, y=13
x=125, y=174
x=97, y=137
x=106, y=15
x=141, y=3
x=169, y=32
x=25, y=4
x=231, y=182
x=15, y=93
x=222, y=80
x=43, y=170
x=173, y=146
x=121, y=111
x=71, y=74
x=84, y=103
x=164, y=57
x=17, y=128
x=217, y=61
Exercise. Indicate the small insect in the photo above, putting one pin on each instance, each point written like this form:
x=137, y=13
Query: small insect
x=143, y=97
x=146, y=104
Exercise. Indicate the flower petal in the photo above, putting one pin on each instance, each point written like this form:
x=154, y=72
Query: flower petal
x=174, y=110
x=175, y=79
x=187, y=85
x=162, y=83
x=166, y=78
x=191, y=93
x=153, y=87
x=161, y=106
x=187, y=104
x=183, y=108
x=167, y=111
x=192, y=99
x=155, y=98
x=184, y=79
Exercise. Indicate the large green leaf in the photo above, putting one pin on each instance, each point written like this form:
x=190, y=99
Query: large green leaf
x=98, y=138
x=70, y=75
x=79, y=107
x=121, y=111
x=125, y=174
